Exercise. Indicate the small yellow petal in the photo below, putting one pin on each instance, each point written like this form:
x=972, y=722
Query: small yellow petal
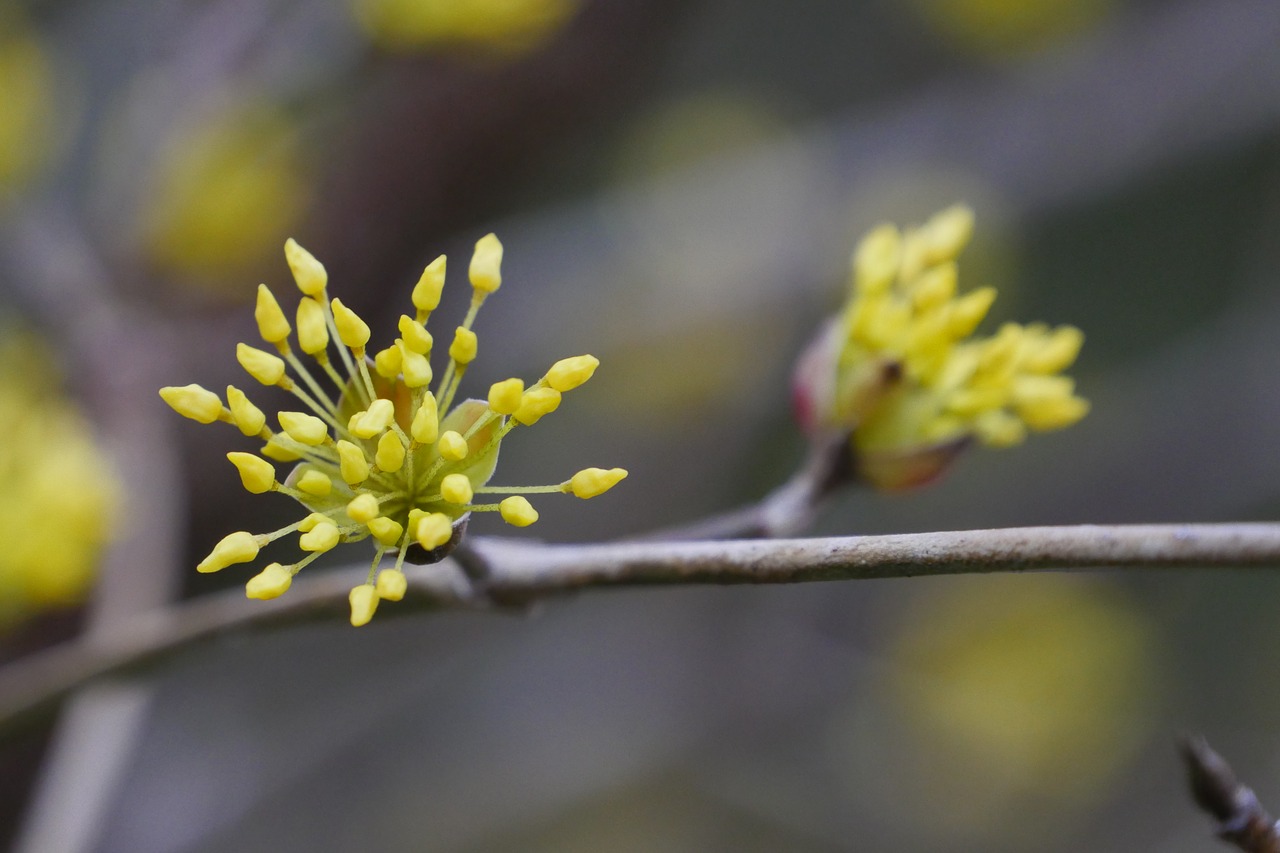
x=1053, y=412
x=238, y=547
x=947, y=233
x=998, y=428
x=392, y=584
x=434, y=530
x=505, y=396
x=275, y=449
x=386, y=531
x=362, y=508
x=486, y=264
x=364, y=601
x=875, y=260
x=452, y=446
x=464, y=347
x=535, y=403
x=970, y=310
x=315, y=483
x=1056, y=351
x=390, y=455
x=272, y=324
x=322, y=537
x=193, y=401
x=414, y=366
x=426, y=423
x=415, y=335
x=426, y=293
x=309, y=523
x=307, y=271
x=590, y=482
x=353, y=331
x=262, y=366
x=352, y=463
x=387, y=362
x=568, y=373
x=456, y=489
x=517, y=511
x=248, y=417
x=313, y=330
x=303, y=428
x=373, y=420
x=257, y=474
x=272, y=582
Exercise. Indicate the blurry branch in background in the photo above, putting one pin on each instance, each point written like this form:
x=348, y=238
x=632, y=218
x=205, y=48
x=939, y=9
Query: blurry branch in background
x=504, y=573
x=1241, y=818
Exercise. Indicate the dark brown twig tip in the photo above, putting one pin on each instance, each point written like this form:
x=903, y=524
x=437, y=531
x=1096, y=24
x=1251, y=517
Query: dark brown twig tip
x=1241, y=818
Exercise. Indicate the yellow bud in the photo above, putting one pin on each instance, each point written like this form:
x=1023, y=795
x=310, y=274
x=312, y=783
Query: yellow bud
x=272, y=324
x=415, y=335
x=969, y=310
x=274, y=449
x=373, y=420
x=935, y=286
x=947, y=233
x=307, y=271
x=248, y=417
x=486, y=264
x=390, y=455
x=257, y=474
x=426, y=424
x=272, y=582
x=322, y=537
x=517, y=511
x=998, y=428
x=392, y=584
x=1053, y=412
x=590, y=482
x=193, y=401
x=315, y=483
x=452, y=446
x=1056, y=351
x=313, y=331
x=309, y=523
x=456, y=489
x=364, y=601
x=363, y=508
x=352, y=463
x=414, y=366
x=353, y=331
x=426, y=293
x=535, y=403
x=262, y=366
x=238, y=547
x=505, y=396
x=304, y=428
x=875, y=260
x=434, y=529
x=386, y=531
x=568, y=373
x=387, y=362
x=464, y=346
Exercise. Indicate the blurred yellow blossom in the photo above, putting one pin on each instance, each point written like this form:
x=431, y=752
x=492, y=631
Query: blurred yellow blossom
x=57, y=508
x=1006, y=27
x=384, y=457
x=504, y=26
x=27, y=116
x=226, y=188
x=900, y=370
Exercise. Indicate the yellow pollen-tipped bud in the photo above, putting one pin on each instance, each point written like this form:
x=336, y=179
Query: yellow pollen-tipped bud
x=415, y=335
x=452, y=446
x=315, y=483
x=876, y=259
x=272, y=324
x=257, y=474
x=304, y=428
x=434, y=529
x=248, y=417
x=517, y=511
x=238, y=547
x=193, y=401
x=568, y=373
x=386, y=531
x=309, y=523
x=392, y=584
x=505, y=396
x=998, y=428
x=353, y=331
x=262, y=366
x=590, y=482
x=364, y=602
x=426, y=423
x=390, y=455
x=363, y=508
x=935, y=286
x=373, y=420
x=970, y=310
x=274, y=449
x=1056, y=351
x=414, y=366
x=351, y=463
x=1055, y=412
x=535, y=403
x=307, y=271
x=947, y=233
x=426, y=293
x=456, y=489
x=387, y=362
x=322, y=537
x=464, y=347
x=486, y=264
x=313, y=331
x=272, y=582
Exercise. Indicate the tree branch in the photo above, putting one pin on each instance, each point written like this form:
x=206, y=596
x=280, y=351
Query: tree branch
x=508, y=572
x=1241, y=818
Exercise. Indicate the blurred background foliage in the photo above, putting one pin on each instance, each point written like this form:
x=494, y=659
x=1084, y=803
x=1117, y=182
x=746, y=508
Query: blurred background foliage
x=678, y=184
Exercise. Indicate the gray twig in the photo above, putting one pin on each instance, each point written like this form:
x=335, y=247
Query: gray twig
x=1241, y=818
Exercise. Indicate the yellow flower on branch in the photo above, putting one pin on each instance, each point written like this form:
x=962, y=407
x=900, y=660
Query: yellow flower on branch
x=900, y=369
x=380, y=454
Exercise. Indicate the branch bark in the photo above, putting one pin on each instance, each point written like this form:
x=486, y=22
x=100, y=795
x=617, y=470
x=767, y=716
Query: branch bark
x=1241, y=818
x=513, y=573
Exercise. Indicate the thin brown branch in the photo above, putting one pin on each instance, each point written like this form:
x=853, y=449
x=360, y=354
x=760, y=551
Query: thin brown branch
x=515, y=572
x=1241, y=818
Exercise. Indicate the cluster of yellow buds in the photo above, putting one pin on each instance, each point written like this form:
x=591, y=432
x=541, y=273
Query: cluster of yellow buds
x=899, y=370
x=386, y=457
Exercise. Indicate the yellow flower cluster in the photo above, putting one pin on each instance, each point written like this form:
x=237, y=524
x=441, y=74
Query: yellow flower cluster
x=900, y=370
x=56, y=511
x=510, y=26
x=386, y=457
